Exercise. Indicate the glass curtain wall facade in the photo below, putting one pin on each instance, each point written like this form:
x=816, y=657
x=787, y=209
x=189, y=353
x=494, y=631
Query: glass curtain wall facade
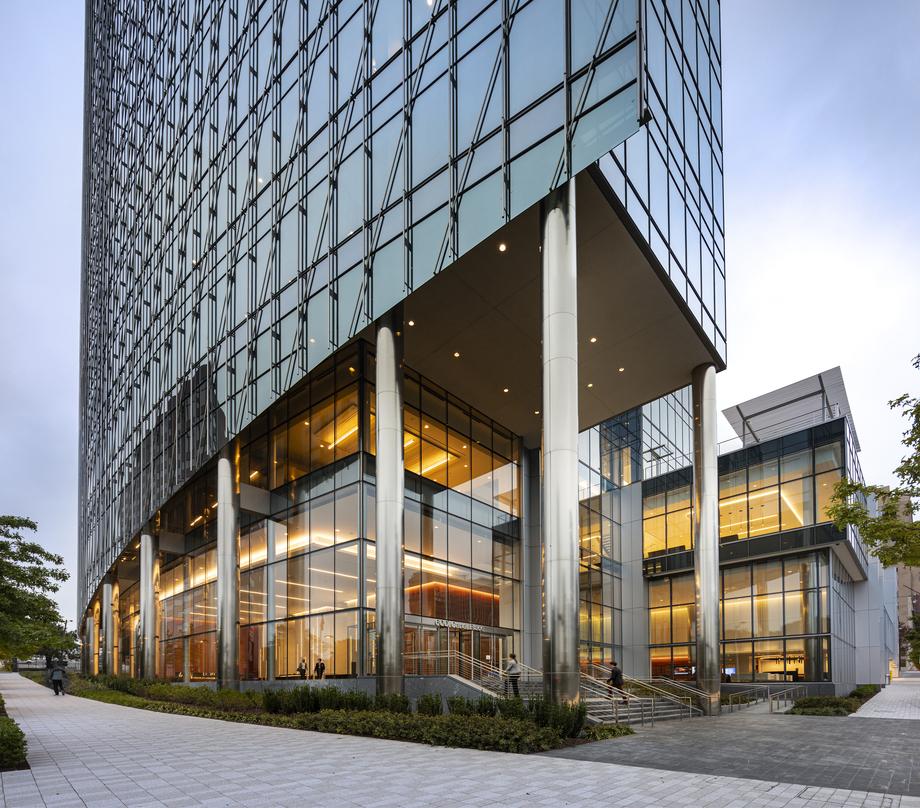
x=668, y=176
x=784, y=618
x=264, y=179
x=773, y=487
x=608, y=459
x=775, y=621
x=307, y=569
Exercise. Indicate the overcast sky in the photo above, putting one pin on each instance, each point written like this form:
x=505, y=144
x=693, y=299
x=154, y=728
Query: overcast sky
x=822, y=189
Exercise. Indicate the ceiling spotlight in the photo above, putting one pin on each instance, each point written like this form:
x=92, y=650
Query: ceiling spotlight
x=536, y=412
x=505, y=390
x=411, y=322
x=593, y=339
x=590, y=384
x=456, y=354
x=502, y=247
x=620, y=370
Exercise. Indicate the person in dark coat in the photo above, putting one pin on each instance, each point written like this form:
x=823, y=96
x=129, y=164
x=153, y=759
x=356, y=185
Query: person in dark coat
x=616, y=679
x=319, y=669
x=57, y=679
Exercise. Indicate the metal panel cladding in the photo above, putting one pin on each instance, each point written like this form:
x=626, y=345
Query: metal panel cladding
x=263, y=179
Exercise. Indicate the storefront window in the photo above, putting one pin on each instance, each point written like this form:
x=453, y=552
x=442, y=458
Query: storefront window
x=772, y=613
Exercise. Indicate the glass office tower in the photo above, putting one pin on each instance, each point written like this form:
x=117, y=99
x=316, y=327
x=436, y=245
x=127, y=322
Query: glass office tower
x=264, y=183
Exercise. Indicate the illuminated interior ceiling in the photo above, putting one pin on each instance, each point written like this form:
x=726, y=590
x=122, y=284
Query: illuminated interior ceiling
x=477, y=324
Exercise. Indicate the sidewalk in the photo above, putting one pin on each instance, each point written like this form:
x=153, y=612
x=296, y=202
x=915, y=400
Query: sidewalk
x=901, y=699
x=84, y=753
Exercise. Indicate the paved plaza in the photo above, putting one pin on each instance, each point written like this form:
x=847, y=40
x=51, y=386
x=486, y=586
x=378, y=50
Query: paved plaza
x=901, y=699
x=873, y=753
x=84, y=753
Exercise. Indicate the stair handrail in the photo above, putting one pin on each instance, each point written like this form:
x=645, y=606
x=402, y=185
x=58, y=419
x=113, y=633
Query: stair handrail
x=457, y=661
x=663, y=681
x=591, y=687
x=468, y=667
x=688, y=689
x=787, y=695
x=685, y=702
x=735, y=696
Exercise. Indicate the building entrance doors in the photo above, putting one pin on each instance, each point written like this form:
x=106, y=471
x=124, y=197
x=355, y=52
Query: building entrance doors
x=482, y=646
x=432, y=649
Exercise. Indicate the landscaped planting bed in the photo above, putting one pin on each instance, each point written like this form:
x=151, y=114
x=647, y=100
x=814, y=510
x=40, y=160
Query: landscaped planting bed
x=12, y=743
x=503, y=725
x=835, y=705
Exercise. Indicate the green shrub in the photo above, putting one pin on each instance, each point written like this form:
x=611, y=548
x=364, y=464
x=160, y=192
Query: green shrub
x=296, y=700
x=308, y=699
x=12, y=745
x=430, y=704
x=601, y=732
x=840, y=711
x=468, y=731
x=389, y=718
x=567, y=719
x=392, y=703
x=484, y=705
x=512, y=708
x=865, y=692
x=331, y=698
x=825, y=705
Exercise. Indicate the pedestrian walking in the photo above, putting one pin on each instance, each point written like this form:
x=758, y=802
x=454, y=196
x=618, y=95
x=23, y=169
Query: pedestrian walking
x=319, y=669
x=513, y=671
x=302, y=669
x=57, y=679
x=616, y=680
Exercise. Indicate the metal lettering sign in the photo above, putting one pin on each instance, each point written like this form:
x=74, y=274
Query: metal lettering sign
x=454, y=624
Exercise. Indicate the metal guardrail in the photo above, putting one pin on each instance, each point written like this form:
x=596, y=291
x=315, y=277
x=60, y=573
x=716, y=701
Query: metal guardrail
x=484, y=674
x=750, y=695
x=787, y=696
x=655, y=691
x=601, y=699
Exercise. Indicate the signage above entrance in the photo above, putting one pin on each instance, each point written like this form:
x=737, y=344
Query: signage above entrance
x=441, y=623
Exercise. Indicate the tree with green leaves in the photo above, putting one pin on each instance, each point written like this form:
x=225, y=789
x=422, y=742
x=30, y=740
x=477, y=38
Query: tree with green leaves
x=891, y=534
x=910, y=639
x=29, y=575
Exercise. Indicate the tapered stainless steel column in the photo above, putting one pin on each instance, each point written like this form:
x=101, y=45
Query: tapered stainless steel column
x=390, y=488
x=89, y=646
x=149, y=594
x=706, y=535
x=108, y=628
x=228, y=576
x=270, y=527
x=560, y=445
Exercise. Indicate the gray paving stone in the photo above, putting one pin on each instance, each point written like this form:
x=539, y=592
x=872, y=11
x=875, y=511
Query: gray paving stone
x=871, y=754
x=85, y=753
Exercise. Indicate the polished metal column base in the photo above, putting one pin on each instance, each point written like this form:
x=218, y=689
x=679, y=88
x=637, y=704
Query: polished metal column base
x=108, y=628
x=711, y=704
